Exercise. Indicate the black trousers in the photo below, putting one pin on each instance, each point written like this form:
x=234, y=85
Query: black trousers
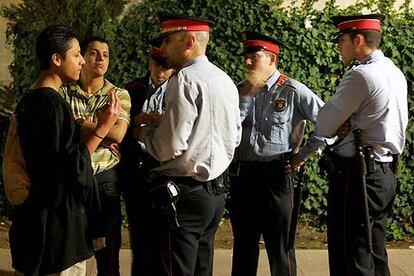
x=187, y=250
x=261, y=203
x=107, y=258
x=139, y=212
x=346, y=234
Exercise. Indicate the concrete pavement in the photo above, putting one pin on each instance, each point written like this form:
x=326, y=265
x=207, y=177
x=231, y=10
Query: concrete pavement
x=310, y=263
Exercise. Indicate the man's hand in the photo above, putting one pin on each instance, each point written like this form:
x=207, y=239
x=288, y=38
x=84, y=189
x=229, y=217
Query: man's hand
x=296, y=162
x=254, y=83
x=148, y=119
x=108, y=115
x=113, y=147
x=343, y=130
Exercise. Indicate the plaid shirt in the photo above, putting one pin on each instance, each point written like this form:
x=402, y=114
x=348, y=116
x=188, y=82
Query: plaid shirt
x=85, y=106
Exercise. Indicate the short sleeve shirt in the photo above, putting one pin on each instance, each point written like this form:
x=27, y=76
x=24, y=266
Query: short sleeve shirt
x=85, y=106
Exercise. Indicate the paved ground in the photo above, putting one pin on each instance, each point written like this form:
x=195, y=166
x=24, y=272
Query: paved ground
x=310, y=263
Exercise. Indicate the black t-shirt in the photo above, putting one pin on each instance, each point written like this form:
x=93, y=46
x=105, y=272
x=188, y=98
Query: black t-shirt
x=49, y=231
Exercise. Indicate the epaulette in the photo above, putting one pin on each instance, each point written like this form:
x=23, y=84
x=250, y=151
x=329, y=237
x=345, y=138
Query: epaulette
x=281, y=80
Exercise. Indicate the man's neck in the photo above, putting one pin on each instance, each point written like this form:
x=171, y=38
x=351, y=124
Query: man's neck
x=47, y=79
x=364, y=52
x=92, y=85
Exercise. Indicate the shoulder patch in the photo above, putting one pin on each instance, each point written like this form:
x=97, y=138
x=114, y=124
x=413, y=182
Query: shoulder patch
x=281, y=80
x=285, y=81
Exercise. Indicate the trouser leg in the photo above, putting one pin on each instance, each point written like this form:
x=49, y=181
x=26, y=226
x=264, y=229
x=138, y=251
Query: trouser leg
x=188, y=250
x=276, y=231
x=107, y=258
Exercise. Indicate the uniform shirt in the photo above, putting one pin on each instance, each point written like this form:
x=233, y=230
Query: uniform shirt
x=85, y=106
x=201, y=126
x=155, y=99
x=273, y=116
x=373, y=95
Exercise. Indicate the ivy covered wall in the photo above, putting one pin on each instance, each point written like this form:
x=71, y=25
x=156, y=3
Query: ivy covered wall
x=308, y=55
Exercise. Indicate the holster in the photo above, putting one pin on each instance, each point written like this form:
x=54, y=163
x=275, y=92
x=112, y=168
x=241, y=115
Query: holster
x=164, y=197
x=219, y=185
x=369, y=159
x=287, y=164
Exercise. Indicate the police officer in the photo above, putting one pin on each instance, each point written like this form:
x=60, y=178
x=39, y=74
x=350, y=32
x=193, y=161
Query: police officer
x=148, y=100
x=273, y=109
x=372, y=97
x=195, y=142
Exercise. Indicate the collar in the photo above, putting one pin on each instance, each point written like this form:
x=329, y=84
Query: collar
x=162, y=87
x=196, y=60
x=375, y=55
x=272, y=80
x=106, y=88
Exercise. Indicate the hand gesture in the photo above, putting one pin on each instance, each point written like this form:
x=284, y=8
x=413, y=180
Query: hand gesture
x=254, y=82
x=108, y=115
x=148, y=118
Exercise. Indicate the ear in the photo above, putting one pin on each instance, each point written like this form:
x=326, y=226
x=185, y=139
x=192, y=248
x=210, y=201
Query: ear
x=56, y=59
x=360, y=39
x=273, y=58
x=190, y=41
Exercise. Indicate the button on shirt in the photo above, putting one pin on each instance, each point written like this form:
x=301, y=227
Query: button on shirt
x=201, y=126
x=85, y=106
x=155, y=102
x=373, y=96
x=271, y=118
x=155, y=99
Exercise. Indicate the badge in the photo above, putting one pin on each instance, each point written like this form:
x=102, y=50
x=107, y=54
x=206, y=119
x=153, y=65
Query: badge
x=280, y=105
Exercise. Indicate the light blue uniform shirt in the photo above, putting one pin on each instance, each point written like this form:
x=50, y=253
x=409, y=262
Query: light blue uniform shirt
x=274, y=116
x=155, y=98
x=155, y=102
x=373, y=96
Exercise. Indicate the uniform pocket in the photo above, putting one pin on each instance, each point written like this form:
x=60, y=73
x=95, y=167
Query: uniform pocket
x=280, y=128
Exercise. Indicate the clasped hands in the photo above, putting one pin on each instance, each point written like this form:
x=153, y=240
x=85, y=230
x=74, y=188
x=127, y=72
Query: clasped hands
x=145, y=118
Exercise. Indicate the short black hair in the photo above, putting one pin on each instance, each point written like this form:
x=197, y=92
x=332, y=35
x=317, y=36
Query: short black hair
x=84, y=44
x=54, y=39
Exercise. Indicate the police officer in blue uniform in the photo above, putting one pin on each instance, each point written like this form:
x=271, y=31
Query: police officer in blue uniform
x=147, y=97
x=372, y=100
x=273, y=109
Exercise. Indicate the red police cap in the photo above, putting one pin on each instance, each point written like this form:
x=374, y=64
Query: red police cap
x=345, y=24
x=173, y=23
x=253, y=42
x=155, y=51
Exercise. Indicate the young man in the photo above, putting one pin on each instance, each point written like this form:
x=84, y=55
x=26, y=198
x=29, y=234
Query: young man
x=372, y=100
x=86, y=98
x=274, y=109
x=49, y=234
x=195, y=142
x=147, y=99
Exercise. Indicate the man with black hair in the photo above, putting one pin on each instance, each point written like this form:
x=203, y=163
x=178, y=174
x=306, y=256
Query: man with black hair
x=50, y=229
x=86, y=98
x=148, y=101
